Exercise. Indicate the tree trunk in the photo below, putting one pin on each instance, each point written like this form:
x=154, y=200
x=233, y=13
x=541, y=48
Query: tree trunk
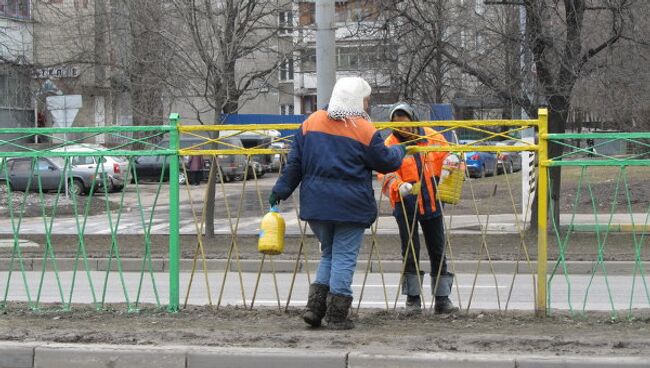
x=212, y=181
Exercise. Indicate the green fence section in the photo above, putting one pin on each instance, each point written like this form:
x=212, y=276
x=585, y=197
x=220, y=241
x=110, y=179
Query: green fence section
x=604, y=199
x=77, y=178
x=618, y=224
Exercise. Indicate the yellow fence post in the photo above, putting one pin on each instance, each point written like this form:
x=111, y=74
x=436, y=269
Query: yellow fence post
x=542, y=213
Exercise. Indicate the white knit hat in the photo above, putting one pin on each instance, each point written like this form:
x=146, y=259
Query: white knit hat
x=347, y=98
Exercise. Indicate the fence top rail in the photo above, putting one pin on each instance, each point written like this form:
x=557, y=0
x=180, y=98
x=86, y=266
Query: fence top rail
x=102, y=153
x=607, y=162
x=449, y=148
x=79, y=130
x=378, y=125
x=563, y=136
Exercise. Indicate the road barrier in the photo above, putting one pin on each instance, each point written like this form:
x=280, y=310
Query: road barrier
x=71, y=248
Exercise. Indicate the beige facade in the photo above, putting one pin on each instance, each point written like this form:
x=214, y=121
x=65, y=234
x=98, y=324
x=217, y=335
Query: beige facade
x=72, y=51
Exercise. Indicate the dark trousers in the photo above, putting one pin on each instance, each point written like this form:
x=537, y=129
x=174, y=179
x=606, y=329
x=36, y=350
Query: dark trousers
x=434, y=237
x=195, y=177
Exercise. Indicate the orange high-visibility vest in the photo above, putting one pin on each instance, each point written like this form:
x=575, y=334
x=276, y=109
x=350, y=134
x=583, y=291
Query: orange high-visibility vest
x=408, y=172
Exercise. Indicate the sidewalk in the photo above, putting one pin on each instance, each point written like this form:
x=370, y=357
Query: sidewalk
x=288, y=266
x=41, y=355
x=131, y=223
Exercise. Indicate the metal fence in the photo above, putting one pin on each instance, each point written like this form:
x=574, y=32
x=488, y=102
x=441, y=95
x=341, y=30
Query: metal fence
x=94, y=243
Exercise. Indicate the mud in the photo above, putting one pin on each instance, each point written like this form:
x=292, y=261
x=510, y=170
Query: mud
x=376, y=331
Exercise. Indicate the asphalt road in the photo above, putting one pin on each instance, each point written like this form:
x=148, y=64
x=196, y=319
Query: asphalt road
x=488, y=293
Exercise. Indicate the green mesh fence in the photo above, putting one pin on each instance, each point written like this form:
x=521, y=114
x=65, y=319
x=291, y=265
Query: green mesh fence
x=63, y=186
x=600, y=239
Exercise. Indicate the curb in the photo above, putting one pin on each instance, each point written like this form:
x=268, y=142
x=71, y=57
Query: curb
x=35, y=355
x=285, y=265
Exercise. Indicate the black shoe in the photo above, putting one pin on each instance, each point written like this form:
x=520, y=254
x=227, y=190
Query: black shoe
x=413, y=304
x=444, y=306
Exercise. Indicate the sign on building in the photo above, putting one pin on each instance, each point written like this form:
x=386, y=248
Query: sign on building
x=57, y=72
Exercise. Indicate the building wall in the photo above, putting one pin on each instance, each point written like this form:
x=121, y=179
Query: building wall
x=16, y=47
x=66, y=53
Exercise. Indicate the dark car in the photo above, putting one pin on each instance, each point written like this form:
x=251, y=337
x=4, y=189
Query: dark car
x=50, y=170
x=232, y=166
x=509, y=161
x=151, y=168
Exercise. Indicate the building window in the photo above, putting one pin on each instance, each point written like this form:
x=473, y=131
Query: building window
x=480, y=40
x=308, y=61
x=309, y=104
x=286, y=70
x=15, y=90
x=15, y=8
x=80, y=4
x=307, y=13
x=285, y=22
x=286, y=109
x=347, y=58
x=479, y=7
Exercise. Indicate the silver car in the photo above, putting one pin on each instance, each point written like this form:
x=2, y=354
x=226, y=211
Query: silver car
x=23, y=175
x=114, y=167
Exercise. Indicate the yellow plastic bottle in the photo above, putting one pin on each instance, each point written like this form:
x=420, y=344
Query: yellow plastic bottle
x=451, y=186
x=271, y=240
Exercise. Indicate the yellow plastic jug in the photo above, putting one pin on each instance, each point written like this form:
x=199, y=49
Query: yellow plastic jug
x=271, y=240
x=450, y=189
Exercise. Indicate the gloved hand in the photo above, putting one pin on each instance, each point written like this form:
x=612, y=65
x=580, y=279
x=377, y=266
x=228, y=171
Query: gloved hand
x=405, y=189
x=401, y=148
x=273, y=199
x=451, y=162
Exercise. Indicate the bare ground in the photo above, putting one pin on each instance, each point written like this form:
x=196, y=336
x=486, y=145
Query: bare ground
x=594, y=334
x=376, y=331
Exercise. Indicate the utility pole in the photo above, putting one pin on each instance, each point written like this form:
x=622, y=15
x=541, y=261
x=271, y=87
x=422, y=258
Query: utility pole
x=325, y=51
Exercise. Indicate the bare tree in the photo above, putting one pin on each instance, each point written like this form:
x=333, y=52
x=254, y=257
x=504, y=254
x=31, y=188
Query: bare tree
x=414, y=32
x=225, y=51
x=564, y=38
x=137, y=55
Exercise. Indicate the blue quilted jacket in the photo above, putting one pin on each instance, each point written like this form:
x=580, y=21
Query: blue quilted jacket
x=333, y=160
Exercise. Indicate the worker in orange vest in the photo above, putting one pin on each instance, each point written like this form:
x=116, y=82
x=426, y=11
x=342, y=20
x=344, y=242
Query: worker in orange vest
x=412, y=193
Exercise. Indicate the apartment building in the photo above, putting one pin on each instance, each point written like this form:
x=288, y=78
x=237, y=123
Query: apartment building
x=362, y=50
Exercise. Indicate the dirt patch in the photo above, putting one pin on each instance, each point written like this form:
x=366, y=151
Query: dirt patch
x=30, y=204
x=377, y=331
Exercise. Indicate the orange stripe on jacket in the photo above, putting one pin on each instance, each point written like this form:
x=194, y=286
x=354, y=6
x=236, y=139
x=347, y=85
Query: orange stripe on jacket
x=358, y=129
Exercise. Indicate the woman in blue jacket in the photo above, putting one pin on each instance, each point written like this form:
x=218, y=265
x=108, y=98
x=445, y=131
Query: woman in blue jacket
x=332, y=158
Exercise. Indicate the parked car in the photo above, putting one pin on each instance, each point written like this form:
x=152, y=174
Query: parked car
x=509, y=161
x=151, y=168
x=50, y=170
x=257, y=167
x=279, y=160
x=115, y=167
x=232, y=166
x=480, y=164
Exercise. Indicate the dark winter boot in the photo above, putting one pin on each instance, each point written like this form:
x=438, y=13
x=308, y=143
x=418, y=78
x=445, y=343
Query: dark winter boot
x=411, y=288
x=413, y=304
x=316, y=304
x=443, y=304
x=338, y=308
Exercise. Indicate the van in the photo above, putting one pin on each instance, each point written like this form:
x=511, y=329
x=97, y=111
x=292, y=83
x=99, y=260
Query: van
x=232, y=166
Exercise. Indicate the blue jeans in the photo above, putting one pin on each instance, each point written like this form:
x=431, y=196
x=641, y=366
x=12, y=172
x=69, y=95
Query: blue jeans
x=340, y=243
